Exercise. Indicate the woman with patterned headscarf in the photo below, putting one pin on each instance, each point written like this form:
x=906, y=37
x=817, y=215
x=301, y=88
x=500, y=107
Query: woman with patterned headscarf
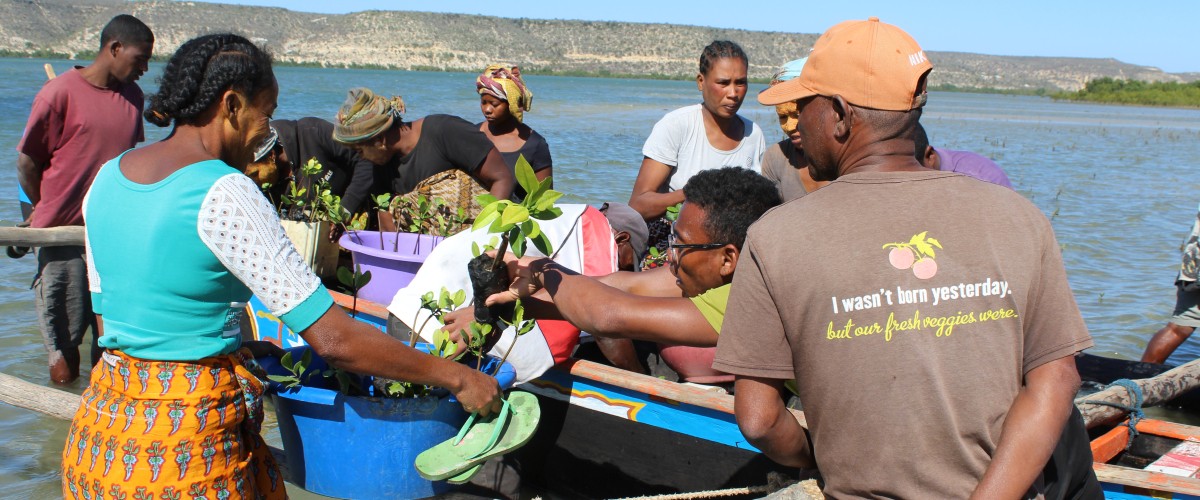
x=504, y=98
x=784, y=161
x=415, y=153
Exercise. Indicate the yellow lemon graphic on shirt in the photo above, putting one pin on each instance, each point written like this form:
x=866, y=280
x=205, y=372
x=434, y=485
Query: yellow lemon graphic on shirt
x=917, y=254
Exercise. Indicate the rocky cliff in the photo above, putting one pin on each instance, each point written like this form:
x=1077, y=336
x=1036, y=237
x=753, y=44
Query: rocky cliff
x=420, y=40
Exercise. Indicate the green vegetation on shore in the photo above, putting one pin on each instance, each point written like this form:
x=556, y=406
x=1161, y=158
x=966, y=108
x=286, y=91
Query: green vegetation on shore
x=1113, y=91
x=946, y=87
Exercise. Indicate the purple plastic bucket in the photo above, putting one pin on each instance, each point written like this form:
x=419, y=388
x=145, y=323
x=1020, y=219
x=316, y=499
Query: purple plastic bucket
x=393, y=267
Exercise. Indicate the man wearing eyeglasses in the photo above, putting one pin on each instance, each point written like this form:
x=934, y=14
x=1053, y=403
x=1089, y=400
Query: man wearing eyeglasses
x=682, y=304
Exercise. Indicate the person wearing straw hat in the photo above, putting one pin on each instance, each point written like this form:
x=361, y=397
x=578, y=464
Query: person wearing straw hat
x=931, y=331
x=413, y=151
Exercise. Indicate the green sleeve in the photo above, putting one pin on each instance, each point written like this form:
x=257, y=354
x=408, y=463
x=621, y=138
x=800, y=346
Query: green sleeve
x=712, y=305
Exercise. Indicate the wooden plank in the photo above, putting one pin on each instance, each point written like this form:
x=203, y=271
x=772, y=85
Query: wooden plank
x=1167, y=429
x=1165, y=483
x=41, y=237
x=364, y=306
x=1105, y=447
x=44, y=400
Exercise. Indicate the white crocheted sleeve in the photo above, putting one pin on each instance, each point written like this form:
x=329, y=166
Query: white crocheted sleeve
x=241, y=228
x=92, y=275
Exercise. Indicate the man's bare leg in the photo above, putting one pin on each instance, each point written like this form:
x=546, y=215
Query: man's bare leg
x=1165, y=341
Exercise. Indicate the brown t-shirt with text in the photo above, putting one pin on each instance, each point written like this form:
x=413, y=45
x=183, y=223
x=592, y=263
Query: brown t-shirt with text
x=908, y=307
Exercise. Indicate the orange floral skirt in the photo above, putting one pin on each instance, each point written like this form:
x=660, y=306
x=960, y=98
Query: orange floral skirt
x=169, y=430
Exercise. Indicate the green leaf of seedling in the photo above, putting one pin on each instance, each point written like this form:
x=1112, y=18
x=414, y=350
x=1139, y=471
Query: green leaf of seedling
x=673, y=212
x=525, y=327
x=479, y=334
x=305, y=361
x=534, y=196
x=531, y=229
x=549, y=214
x=516, y=243
x=286, y=361
x=345, y=277
x=525, y=176
x=475, y=250
x=383, y=201
x=459, y=298
x=486, y=216
x=542, y=243
x=361, y=280
x=283, y=379
x=547, y=201
x=498, y=226
x=514, y=214
x=485, y=199
x=518, y=313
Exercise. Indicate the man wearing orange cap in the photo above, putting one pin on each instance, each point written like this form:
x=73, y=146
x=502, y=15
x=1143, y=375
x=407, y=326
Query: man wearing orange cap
x=931, y=334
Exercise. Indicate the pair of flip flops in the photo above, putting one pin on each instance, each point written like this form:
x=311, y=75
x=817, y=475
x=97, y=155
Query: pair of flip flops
x=458, y=459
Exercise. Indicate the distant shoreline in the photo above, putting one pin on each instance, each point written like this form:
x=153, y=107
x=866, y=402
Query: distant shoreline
x=1081, y=96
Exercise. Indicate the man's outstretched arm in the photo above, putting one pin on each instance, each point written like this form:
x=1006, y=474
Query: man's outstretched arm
x=605, y=311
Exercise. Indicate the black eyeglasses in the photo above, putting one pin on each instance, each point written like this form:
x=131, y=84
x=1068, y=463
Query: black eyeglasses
x=674, y=247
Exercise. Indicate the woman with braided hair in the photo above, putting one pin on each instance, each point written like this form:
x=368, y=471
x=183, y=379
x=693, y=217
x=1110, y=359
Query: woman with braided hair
x=699, y=137
x=172, y=407
x=504, y=98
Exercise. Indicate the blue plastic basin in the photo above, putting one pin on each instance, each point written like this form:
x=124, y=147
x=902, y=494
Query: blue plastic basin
x=364, y=447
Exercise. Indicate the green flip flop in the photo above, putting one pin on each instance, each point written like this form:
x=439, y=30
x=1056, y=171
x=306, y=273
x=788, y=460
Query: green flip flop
x=465, y=476
x=460, y=457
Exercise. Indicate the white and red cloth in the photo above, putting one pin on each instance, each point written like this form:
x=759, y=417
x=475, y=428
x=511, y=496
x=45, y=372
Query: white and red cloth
x=582, y=241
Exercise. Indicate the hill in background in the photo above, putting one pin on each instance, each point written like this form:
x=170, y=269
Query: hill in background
x=429, y=41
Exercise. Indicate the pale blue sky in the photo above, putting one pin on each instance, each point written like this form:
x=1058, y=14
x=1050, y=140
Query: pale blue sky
x=1161, y=34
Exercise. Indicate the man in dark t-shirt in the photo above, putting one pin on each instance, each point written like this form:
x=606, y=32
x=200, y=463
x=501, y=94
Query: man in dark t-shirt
x=445, y=142
x=411, y=152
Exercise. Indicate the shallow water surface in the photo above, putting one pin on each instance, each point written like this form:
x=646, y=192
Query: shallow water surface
x=1117, y=183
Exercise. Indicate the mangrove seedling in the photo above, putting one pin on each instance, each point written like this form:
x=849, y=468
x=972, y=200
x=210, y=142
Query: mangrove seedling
x=438, y=307
x=383, y=203
x=353, y=282
x=295, y=368
x=517, y=225
x=521, y=326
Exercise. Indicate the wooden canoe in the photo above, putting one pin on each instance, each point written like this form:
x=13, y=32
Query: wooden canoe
x=609, y=433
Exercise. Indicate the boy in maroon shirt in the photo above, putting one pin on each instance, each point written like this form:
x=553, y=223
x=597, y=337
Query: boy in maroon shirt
x=79, y=120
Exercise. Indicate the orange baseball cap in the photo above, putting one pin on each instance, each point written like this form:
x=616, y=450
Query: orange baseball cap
x=869, y=63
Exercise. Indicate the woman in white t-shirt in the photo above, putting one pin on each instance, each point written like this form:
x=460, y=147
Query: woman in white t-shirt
x=698, y=137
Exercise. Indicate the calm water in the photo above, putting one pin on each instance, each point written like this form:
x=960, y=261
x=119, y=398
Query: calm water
x=1117, y=183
